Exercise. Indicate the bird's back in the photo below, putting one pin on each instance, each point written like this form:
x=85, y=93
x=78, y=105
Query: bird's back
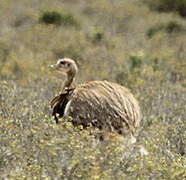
x=105, y=105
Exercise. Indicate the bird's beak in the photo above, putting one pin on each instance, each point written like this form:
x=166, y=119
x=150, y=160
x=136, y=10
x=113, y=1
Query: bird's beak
x=53, y=66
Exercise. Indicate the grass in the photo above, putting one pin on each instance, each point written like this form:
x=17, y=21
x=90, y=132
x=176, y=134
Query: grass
x=112, y=44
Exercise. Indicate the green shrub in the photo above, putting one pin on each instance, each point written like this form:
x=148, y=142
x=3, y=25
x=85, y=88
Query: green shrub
x=51, y=18
x=167, y=6
x=154, y=30
x=135, y=61
x=169, y=27
x=98, y=36
x=58, y=18
x=173, y=26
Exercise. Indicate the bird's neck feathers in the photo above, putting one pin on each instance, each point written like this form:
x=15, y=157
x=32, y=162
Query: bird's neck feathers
x=70, y=79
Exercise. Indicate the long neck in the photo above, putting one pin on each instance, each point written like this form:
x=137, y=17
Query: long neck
x=69, y=80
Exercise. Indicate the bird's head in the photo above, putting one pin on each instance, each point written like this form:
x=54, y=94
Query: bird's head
x=65, y=65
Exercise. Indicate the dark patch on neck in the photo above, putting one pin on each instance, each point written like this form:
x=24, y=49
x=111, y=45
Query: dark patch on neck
x=59, y=103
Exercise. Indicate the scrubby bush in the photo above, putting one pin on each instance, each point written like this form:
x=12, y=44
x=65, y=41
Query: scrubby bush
x=154, y=30
x=51, y=17
x=169, y=27
x=173, y=26
x=167, y=6
x=98, y=36
x=58, y=18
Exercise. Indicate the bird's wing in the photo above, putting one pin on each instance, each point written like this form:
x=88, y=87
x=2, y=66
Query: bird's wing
x=59, y=103
x=103, y=98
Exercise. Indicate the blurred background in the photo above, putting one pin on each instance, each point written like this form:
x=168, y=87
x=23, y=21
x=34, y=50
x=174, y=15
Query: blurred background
x=137, y=43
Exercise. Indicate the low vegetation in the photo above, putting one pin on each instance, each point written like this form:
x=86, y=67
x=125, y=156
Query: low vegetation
x=168, y=6
x=169, y=28
x=120, y=41
x=58, y=18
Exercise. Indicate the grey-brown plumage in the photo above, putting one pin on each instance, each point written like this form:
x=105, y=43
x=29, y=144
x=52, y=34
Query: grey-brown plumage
x=101, y=104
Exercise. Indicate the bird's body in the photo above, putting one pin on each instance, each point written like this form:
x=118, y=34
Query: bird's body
x=102, y=104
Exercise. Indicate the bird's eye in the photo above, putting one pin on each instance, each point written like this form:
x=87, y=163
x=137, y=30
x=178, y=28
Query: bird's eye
x=62, y=62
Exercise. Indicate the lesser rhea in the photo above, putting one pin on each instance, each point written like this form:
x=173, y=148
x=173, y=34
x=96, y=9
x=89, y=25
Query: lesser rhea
x=101, y=104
